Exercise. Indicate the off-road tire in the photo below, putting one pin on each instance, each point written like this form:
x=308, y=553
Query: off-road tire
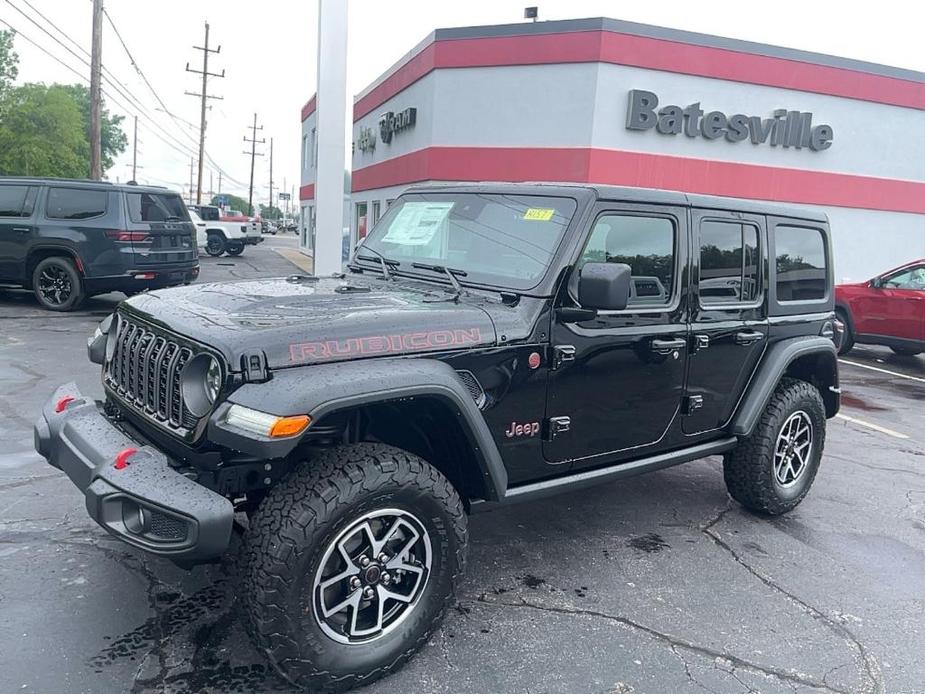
x=906, y=351
x=749, y=468
x=63, y=269
x=215, y=244
x=234, y=248
x=289, y=533
x=847, y=341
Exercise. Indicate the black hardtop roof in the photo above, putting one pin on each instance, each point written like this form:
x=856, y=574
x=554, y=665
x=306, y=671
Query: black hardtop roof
x=629, y=194
x=85, y=183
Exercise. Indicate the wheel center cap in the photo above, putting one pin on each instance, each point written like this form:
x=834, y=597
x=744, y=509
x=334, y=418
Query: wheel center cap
x=372, y=574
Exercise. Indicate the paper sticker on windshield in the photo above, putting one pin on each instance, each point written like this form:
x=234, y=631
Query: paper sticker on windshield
x=539, y=214
x=417, y=222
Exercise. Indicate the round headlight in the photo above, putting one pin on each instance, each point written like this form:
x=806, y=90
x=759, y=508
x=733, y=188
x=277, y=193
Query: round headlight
x=200, y=384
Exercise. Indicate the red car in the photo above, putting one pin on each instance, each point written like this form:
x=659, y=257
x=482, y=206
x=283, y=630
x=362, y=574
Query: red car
x=887, y=310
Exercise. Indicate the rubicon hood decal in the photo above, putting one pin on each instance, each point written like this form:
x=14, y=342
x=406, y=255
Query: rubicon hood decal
x=384, y=344
x=297, y=323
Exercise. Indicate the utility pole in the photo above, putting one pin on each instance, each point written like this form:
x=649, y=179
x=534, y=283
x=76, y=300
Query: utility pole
x=211, y=190
x=219, y=182
x=253, y=153
x=204, y=96
x=135, y=151
x=96, y=64
x=270, y=211
x=192, y=163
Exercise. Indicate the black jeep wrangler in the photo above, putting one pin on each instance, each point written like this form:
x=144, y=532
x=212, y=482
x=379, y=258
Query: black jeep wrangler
x=488, y=344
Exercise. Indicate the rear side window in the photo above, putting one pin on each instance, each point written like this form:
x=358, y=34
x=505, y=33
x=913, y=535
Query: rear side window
x=209, y=214
x=646, y=244
x=801, y=264
x=74, y=203
x=156, y=207
x=729, y=263
x=16, y=201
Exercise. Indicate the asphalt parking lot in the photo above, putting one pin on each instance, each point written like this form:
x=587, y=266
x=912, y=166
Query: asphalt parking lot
x=657, y=584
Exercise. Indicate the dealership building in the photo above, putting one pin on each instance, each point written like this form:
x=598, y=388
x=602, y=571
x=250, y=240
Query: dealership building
x=613, y=102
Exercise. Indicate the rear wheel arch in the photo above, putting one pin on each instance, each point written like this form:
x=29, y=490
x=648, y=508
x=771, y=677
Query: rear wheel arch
x=38, y=254
x=809, y=359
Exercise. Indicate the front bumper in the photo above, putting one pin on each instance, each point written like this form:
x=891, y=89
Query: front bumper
x=147, y=503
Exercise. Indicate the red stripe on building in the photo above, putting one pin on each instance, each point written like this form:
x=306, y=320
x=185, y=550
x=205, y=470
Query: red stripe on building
x=641, y=170
x=644, y=52
x=307, y=192
x=309, y=108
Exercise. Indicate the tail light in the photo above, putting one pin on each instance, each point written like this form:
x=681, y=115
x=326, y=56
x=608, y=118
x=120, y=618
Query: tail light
x=128, y=236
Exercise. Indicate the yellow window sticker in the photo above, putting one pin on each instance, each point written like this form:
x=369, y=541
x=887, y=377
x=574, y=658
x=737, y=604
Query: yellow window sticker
x=538, y=214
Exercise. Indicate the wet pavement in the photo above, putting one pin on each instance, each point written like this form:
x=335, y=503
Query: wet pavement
x=655, y=584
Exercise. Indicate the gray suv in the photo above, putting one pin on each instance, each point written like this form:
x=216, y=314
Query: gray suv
x=71, y=239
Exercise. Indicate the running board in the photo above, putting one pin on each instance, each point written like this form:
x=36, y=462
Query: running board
x=590, y=478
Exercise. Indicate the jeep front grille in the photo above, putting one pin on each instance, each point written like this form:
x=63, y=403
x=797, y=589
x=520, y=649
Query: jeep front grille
x=145, y=372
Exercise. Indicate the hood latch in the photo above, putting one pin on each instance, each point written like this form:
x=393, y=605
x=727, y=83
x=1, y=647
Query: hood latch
x=254, y=366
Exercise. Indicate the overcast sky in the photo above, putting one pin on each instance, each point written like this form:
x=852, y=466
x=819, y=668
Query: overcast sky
x=269, y=57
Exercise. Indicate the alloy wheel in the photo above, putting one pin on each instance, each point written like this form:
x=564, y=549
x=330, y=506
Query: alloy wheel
x=371, y=576
x=793, y=449
x=55, y=285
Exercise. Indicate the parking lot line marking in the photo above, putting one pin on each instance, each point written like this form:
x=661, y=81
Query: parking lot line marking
x=885, y=371
x=875, y=427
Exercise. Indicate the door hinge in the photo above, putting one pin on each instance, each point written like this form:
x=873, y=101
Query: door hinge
x=691, y=404
x=555, y=426
x=562, y=354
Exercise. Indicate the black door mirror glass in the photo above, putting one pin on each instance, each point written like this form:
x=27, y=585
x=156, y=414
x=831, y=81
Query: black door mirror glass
x=604, y=286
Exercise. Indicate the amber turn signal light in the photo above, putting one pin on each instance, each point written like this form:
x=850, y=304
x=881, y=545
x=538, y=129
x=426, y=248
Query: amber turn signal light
x=289, y=426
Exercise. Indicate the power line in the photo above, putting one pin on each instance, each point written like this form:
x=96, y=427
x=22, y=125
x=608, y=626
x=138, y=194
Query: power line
x=84, y=78
x=121, y=88
x=134, y=102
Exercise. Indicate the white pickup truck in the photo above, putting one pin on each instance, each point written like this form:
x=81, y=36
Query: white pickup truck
x=225, y=236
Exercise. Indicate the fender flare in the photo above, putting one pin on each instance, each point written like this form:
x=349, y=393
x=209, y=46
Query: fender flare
x=321, y=389
x=777, y=360
x=60, y=248
x=216, y=230
x=846, y=309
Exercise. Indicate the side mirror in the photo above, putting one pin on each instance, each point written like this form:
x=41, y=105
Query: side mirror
x=604, y=286
x=876, y=282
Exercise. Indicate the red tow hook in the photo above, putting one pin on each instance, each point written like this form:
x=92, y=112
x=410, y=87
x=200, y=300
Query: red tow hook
x=123, y=456
x=64, y=402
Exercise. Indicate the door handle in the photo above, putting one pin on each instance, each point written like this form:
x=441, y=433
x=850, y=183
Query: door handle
x=22, y=230
x=668, y=346
x=747, y=338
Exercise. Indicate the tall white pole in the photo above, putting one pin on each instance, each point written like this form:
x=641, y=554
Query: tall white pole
x=332, y=136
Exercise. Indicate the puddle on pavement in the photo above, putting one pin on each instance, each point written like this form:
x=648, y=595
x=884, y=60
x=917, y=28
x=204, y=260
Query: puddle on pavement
x=651, y=543
x=849, y=400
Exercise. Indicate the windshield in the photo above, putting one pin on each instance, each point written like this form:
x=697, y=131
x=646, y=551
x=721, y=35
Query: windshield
x=503, y=240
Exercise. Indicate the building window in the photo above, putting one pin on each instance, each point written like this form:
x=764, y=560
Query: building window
x=375, y=212
x=314, y=146
x=360, y=229
x=646, y=244
x=304, y=152
x=729, y=264
x=800, y=263
x=388, y=203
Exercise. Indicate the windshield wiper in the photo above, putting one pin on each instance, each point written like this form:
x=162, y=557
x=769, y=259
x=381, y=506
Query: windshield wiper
x=450, y=272
x=383, y=261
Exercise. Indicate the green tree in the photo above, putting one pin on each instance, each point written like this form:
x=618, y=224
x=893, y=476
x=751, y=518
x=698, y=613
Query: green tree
x=112, y=140
x=8, y=62
x=267, y=212
x=42, y=133
x=234, y=202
